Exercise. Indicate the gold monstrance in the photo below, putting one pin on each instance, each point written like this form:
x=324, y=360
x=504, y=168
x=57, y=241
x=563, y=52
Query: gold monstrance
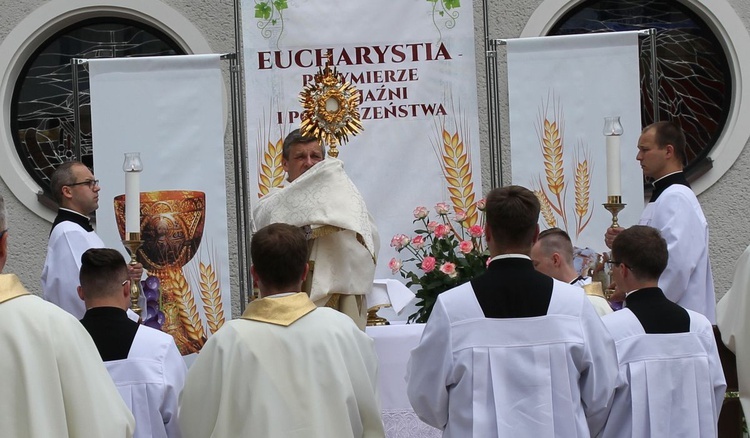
x=330, y=108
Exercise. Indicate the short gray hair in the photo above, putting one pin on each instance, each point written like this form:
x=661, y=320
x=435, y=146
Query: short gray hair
x=62, y=176
x=296, y=137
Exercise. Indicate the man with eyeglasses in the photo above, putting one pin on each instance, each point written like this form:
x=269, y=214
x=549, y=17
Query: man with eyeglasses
x=144, y=363
x=674, y=210
x=54, y=383
x=77, y=193
x=513, y=352
x=672, y=383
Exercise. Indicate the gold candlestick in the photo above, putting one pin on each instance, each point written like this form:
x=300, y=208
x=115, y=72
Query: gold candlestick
x=372, y=316
x=614, y=205
x=132, y=243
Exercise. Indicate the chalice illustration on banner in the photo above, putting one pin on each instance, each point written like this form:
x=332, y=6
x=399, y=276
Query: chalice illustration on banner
x=171, y=230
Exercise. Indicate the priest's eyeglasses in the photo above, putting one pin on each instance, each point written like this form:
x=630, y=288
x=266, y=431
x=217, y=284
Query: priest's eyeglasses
x=125, y=281
x=613, y=263
x=89, y=182
x=2, y=233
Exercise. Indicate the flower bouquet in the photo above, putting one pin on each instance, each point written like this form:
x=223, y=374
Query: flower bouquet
x=445, y=253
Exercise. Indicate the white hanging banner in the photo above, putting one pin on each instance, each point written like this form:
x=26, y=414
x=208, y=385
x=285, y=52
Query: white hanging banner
x=170, y=110
x=413, y=62
x=560, y=89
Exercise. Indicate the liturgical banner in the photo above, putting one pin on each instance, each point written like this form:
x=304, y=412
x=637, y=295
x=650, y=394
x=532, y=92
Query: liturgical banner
x=560, y=89
x=170, y=110
x=413, y=64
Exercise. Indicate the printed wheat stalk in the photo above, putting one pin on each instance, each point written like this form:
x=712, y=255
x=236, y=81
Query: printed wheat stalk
x=270, y=171
x=457, y=166
x=188, y=312
x=551, y=140
x=211, y=297
x=582, y=193
x=546, y=209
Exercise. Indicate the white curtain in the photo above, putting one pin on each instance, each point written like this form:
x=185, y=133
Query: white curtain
x=170, y=110
x=414, y=63
x=559, y=91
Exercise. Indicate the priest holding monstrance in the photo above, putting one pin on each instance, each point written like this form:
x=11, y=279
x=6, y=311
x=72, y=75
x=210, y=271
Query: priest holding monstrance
x=320, y=198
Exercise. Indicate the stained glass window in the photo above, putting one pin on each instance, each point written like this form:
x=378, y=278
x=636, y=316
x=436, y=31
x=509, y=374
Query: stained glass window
x=42, y=109
x=694, y=80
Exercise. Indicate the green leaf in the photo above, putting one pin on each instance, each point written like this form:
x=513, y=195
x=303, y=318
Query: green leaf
x=262, y=10
x=450, y=4
x=280, y=4
x=441, y=13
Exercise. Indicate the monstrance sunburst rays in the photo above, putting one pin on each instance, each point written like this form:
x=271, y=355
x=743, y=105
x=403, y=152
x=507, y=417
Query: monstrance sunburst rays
x=330, y=109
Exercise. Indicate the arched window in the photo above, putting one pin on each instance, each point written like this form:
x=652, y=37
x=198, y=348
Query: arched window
x=42, y=105
x=693, y=74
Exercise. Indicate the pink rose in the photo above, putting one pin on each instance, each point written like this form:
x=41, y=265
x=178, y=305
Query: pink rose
x=460, y=216
x=442, y=208
x=476, y=231
x=418, y=241
x=420, y=212
x=449, y=269
x=482, y=204
x=465, y=246
x=441, y=231
x=395, y=265
x=431, y=226
x=428, y=264
x=399, y=241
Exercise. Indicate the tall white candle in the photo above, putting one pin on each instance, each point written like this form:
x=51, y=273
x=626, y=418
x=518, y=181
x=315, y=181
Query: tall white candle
x=132, y=167
x=132, y=202
x=613, y=165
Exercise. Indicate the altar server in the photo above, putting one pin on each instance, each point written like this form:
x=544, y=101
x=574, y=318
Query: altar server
x=513, y=352
x=675, y=212
x=53, y=382
x=77, y=192
x=287, y=368
x=673, y=383
x=552, y=255
x=144, y=362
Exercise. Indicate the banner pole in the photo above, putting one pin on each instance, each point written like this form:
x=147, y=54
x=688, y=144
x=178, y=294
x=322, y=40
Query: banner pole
x=241, y=173
x=493, y=104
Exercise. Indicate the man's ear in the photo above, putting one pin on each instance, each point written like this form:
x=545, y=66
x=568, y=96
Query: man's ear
x=669, y=150
x=556, y=259
x=307, y=271
x=536, y=235
x=80, y=293
x=67, y=192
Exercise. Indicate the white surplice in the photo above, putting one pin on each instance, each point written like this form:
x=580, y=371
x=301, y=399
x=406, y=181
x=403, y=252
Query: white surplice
x=67, y=243
x=688, y=280
x=150, y=381
x=544, y=376
x=733, y=319
x=672, y=385
x=54, y=381
x=285, y=370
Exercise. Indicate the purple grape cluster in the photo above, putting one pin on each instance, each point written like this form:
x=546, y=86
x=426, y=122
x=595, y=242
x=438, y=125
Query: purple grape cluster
x=154, y=315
